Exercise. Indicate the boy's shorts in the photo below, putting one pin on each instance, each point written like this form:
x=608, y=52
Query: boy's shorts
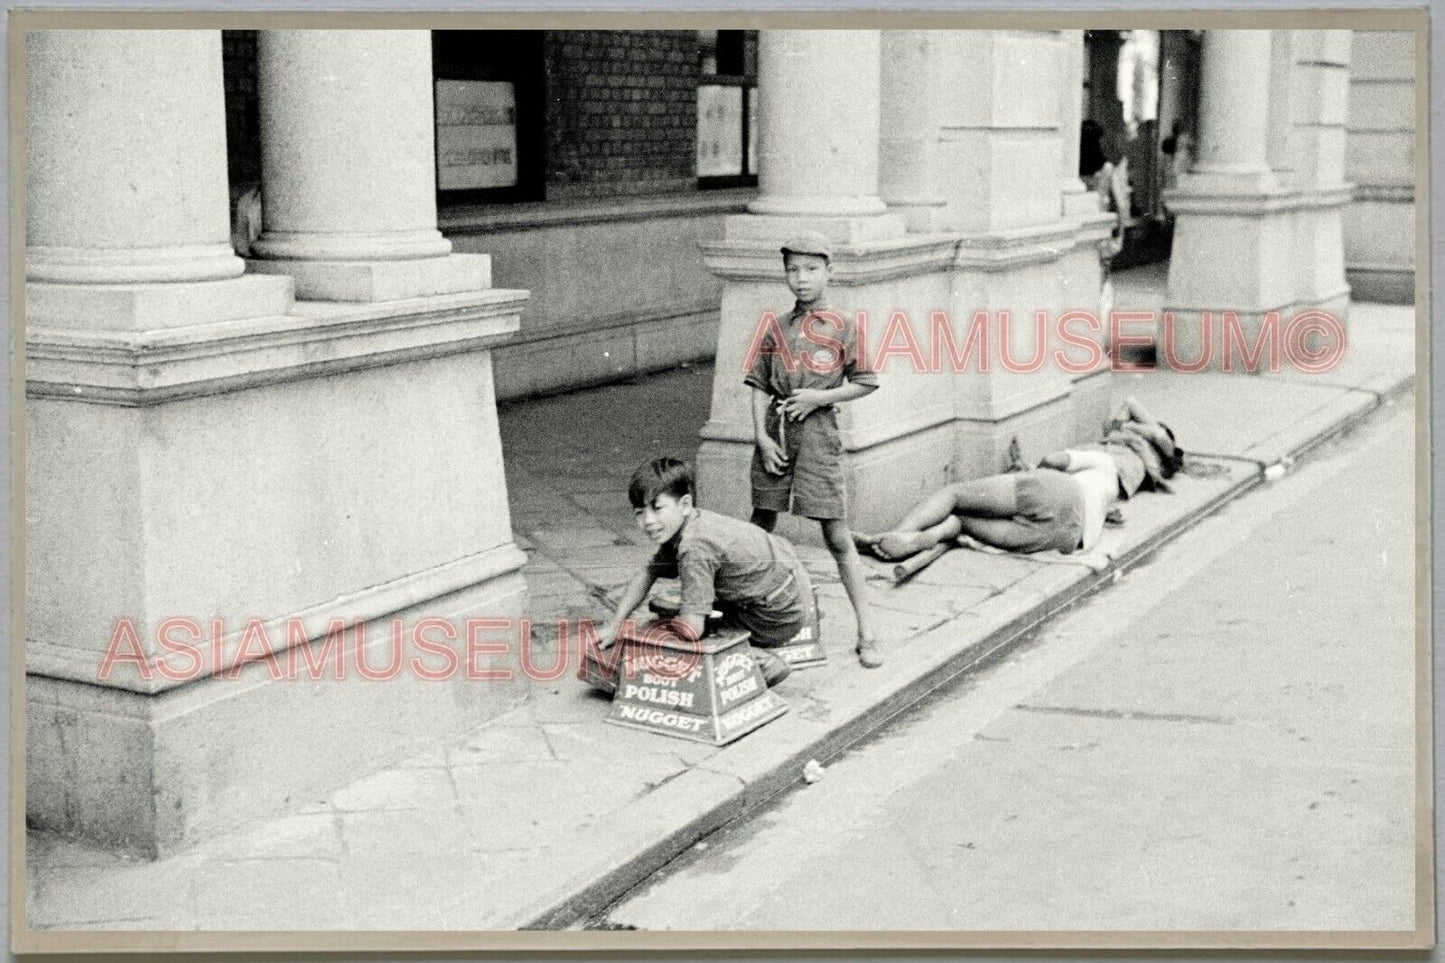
x=812, y=480
x=791, y=609
x=1051, y=507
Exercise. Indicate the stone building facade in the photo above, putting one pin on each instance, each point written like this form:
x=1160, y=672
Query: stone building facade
x=1380, y=140
x=290, y=448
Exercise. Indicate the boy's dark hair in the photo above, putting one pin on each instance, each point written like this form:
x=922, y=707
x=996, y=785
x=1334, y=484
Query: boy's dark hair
x=661, y=476
x=1173, y=460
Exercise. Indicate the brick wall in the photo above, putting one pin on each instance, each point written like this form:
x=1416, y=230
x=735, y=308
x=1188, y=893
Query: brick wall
x=621, y=112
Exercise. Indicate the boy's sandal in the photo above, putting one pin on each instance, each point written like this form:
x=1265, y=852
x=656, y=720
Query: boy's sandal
x=869, y=655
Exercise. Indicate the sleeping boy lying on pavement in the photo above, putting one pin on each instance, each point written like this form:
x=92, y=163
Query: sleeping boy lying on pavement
x=1059, y=505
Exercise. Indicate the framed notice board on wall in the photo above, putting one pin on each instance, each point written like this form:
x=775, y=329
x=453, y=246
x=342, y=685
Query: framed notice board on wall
x=476, y=124
x=490, y=115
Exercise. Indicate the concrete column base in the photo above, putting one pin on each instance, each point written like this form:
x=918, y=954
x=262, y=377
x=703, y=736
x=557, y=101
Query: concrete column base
x=391, y=280
x=149, y=774
x=1092, y=399
x=883, y=478
x=265, y=480
x=983, y=445
x=149, y=307
x=896, y=436
x=1079, y=201
x=925, y=425
x=844, y=228
x=1251, y=256
x=1258, y=340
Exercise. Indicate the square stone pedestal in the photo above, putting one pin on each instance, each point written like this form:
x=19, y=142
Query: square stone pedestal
x=229, y=495
x=1244, y=266
x=897, y=441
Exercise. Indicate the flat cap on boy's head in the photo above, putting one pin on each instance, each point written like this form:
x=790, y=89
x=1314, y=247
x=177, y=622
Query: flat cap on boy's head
x=809, y=242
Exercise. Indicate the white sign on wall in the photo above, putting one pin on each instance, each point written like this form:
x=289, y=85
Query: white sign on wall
x=476, y=134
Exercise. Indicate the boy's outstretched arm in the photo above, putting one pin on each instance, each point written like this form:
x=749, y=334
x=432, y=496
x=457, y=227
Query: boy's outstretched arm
x=632, y=597
x=1134, y=409
x=688, y=626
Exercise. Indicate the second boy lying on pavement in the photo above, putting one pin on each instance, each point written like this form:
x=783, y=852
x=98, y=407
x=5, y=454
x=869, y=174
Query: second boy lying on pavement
x=1060, y=505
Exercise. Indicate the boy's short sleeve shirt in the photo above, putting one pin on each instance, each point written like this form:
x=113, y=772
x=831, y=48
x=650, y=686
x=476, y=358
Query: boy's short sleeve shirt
x=822, y=343
x=717, y=557
x=1098, y=478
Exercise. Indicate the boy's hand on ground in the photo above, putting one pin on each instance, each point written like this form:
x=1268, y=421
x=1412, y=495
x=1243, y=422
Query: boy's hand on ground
x=802, y=403
x=1057, y=460
x=774, y=461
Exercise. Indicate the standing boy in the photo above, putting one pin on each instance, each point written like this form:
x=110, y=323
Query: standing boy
x=798, y=462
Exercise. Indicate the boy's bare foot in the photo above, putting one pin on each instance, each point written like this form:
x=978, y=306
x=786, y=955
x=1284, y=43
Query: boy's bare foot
x=774, y=669
x=869, y=655
x=866, y=544
x=895, y=545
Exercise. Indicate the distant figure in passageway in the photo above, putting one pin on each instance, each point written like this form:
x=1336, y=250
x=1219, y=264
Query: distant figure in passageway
x=1060, y=505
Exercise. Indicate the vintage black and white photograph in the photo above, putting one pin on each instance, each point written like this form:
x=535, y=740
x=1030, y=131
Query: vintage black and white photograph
x=908, y=482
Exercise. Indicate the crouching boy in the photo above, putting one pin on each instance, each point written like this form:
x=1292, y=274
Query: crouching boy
x=753, y=577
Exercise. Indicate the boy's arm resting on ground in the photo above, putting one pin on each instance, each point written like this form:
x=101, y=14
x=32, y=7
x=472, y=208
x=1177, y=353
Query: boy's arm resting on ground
x=632, y=597
x=773, y=456
x=1083, y=460
x=1057, y=460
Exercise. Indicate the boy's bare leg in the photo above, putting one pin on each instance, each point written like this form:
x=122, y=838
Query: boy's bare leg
x=850, y=570
x=765, y=518
x=1002, y=533
x=907, y=537
x=936, y=517
x=895, y=545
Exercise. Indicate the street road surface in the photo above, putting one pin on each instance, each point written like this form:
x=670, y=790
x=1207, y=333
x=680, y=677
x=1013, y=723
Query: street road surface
x=1221, y=740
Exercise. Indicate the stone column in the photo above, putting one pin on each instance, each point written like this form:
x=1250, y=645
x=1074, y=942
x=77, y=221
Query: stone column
x=192, y=450
x=805, y=167
x=1234, y=227
x=967, y=155
x=348, y=167
x=1082, y=286
x=1281, y=149
x=1380, y=148
x=1006, y=155
x=910, y=176
x=1321, y=74
x=126, y=184
x=1234, y=112
x=1077, y=199
x=819, y=129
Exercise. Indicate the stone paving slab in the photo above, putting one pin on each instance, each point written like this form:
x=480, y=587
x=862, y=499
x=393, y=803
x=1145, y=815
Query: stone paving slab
x=548, y=813
x=560, y=811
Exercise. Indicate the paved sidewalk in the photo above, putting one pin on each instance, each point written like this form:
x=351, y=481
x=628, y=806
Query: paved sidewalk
x=546, y=815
